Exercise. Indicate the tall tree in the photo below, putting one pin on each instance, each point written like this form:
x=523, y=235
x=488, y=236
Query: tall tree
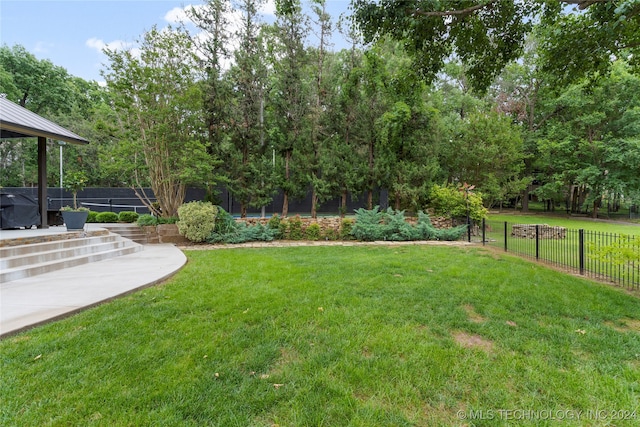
x=289, y=97
x=214, y=52
x=320, y=187
x=159, y=99
x=247, y=170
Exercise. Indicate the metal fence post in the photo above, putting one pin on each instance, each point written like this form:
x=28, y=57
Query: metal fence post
x=581, y=249
x=537, y=241
x=484, y=226
x=505, y=236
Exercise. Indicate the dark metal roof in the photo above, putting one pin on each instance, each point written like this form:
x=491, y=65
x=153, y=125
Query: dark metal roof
x=18, y=122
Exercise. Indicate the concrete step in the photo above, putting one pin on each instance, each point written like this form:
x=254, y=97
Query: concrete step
x=46, y=246
x=129, y=231
x=41, y=258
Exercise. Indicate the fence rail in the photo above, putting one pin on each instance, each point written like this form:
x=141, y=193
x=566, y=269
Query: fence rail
x=606, y=256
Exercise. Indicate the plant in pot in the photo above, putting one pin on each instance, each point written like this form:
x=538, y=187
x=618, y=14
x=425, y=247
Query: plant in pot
x=75, y=217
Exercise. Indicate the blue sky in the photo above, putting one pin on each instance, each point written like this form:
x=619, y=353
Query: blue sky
x=71, y=33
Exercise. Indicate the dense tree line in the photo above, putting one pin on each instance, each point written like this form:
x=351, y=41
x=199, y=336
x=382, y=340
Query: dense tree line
x=273, y=107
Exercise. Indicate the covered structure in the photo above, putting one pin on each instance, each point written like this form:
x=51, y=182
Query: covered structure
x=18, y=122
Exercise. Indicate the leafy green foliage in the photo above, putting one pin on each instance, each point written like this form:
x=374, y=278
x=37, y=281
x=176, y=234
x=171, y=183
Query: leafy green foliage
x=92, y=217
x=197, y=220
x=373, y=225
x=147, y=220
x=346, y=228
x=75, y=182
x=159, y=99
x=312, y=232
x=451, y=202
x=107, y=217
x=294, y=231
x=623, y=250
x=228, y=230
x=128, y=216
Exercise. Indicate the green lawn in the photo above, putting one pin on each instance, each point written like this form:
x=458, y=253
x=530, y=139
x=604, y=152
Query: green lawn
x=337, y=336
x=569, y=222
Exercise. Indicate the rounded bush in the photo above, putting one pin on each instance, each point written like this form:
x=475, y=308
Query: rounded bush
x=312, y=232
x=197, y=220
x=92, y=216
x=128, y=216
x=147, y=219
x=106, y=217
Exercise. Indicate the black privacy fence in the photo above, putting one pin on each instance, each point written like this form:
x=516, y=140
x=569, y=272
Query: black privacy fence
x=605, y=256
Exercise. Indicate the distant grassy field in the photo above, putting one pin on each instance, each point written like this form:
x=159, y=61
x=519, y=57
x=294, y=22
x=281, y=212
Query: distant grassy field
x=569, y=222
x=337, y=336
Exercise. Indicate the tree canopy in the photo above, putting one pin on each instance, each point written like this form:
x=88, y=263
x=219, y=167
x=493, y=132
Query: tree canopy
x=496, y=94
x=486, y=35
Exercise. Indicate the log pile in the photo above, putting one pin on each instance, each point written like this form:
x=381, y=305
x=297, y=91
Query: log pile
x=528, y=231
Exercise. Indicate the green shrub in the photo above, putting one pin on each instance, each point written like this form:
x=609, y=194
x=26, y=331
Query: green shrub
x=395, y=227
x=91, y=217
x=128, y=216
x=312, y=232
x=345, y=229
x=329, y=234
x=450, y=202
x=168, y=220
x=283, y=229
x=225, y=223
x=147, y=219
x=295, y=228
x=274, y=224
x=197, y=220
x=228, y=230
x=107, y=217
x=452, y=234
x=374, y=224
x=368, y=225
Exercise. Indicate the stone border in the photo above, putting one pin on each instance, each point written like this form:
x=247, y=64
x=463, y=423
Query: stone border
x=307, y=243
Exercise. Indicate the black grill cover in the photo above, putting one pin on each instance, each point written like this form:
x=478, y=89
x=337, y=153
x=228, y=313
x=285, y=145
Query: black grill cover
x=18, y=210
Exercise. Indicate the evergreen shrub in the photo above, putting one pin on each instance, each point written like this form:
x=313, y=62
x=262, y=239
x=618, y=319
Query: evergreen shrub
x=91, y=217
x=312, y=232
x=197, y=220
x=374, y=224
x=107, y=217
x=345, y=229
x=227, y=230
x=295, y=228
x=128, y=216
x=146, y=220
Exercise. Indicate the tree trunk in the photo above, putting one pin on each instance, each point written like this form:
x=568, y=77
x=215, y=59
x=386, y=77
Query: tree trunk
x=285, y=199
x=314, y=203
x=343, y=204
x=243, y=209
x=285, y=204
x=525, y=199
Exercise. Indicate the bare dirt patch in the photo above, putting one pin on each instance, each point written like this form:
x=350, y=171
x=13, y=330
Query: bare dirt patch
x=625, y=325
x=473, y=341
x=471, y=313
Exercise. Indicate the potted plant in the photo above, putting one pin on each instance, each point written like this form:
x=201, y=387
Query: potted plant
x=75, y=218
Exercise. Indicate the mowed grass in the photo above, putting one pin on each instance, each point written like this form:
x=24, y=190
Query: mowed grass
x=336, y=336
x=617, y=227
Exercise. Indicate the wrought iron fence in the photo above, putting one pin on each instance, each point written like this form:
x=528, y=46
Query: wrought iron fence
x=606, y=256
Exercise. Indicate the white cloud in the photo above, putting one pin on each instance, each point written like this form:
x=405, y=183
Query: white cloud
x=179, y=15
x=100, y=45
x=42, y=47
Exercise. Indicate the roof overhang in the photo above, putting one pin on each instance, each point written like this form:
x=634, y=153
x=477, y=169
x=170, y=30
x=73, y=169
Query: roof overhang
x=18, y=122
